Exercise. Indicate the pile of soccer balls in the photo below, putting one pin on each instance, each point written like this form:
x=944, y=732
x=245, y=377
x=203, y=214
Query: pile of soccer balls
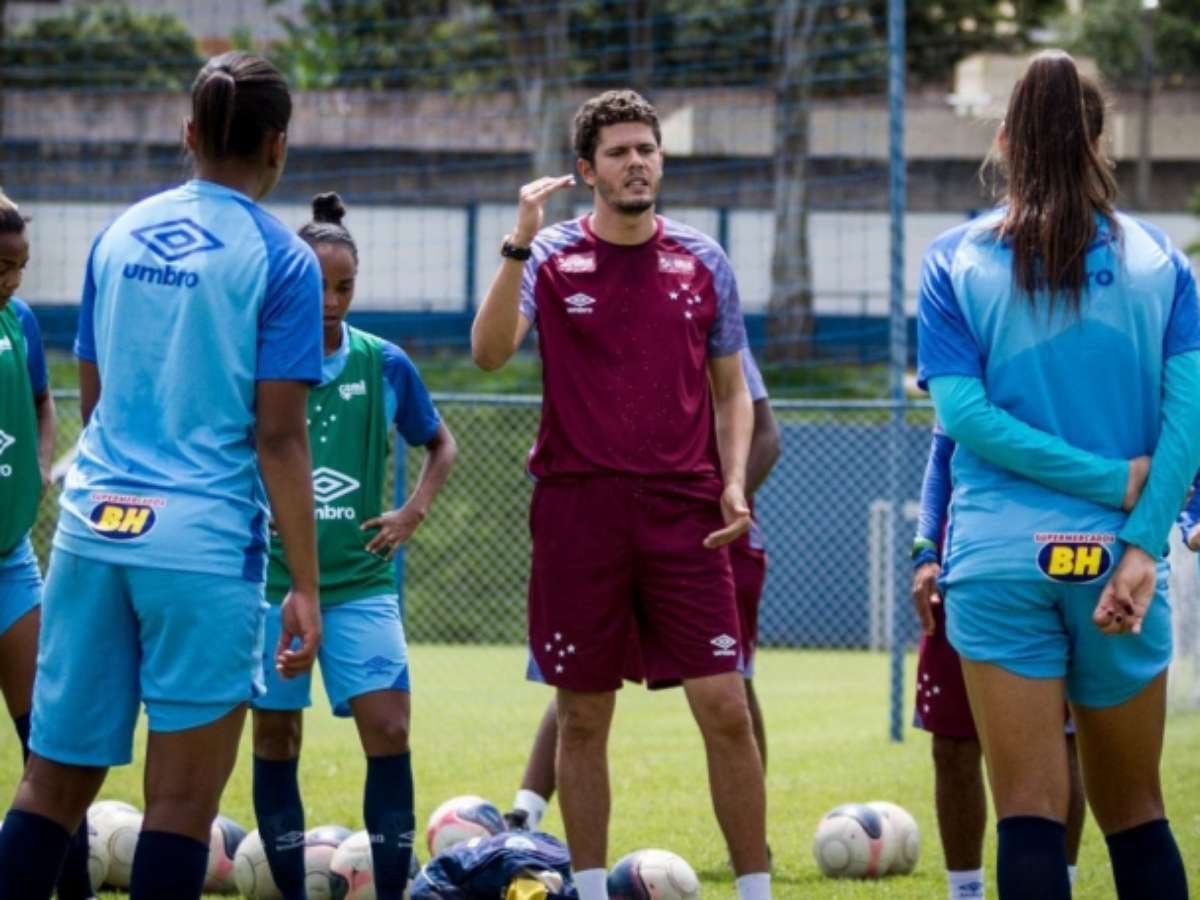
x=337, y=862
x=867, y=840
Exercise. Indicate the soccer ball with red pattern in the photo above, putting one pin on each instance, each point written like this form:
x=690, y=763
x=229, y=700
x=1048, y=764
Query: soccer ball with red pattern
x=459, y=819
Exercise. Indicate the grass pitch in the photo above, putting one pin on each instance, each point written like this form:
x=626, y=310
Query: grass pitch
x=474, y=718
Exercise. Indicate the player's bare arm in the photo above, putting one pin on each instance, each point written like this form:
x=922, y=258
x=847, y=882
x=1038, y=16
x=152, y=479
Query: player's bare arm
x=47, y=426
x=499, y=327
x=734, y=419
x=281, y=434
x=398, y=525
x=89, y=389
x=925, y=594
x=765, y=446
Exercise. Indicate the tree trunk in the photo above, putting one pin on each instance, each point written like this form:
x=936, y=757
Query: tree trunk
x=790, y=308
x=538, y=48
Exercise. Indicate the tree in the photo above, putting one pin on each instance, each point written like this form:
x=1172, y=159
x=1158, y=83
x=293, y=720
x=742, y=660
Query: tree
x=105, y=45
x=1108, y=31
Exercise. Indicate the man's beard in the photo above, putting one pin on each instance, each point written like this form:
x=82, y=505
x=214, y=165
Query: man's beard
x=625, y=207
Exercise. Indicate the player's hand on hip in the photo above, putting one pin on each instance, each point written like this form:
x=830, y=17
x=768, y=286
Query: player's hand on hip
x=736, y=513
x=1193, y=538
x=531, y=207
x=1126, y=598
x=395, y=528
x=301, y=619
x=925, y=594
x=1139, y=471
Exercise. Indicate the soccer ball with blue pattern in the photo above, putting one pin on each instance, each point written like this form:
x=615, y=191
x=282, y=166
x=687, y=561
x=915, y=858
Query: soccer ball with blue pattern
x=854, y=841
x=224, y=839
x=459, y=819
x=653, y=875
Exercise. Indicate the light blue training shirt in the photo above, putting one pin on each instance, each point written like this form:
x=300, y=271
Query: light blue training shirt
x=1093, y=378
x=190, y=298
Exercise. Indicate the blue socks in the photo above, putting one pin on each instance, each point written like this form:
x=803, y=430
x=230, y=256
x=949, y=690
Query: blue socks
x=280, y=814
x=1032, y=859
x=32, y=848
x=74, y=883
x=1146, y=863
x=168, y=865
x=388, y=811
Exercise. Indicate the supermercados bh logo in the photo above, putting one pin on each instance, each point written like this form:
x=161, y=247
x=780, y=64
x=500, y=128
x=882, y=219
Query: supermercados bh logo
x=353, y=389
x=5, y=345
x=120, y=517
x=171, y=241
x=1074, y=558
x=329, y=485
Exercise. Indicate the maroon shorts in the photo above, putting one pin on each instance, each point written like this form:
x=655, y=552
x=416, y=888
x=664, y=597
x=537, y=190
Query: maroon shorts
x=749, y=574
x=615, y=556
x=942, y=705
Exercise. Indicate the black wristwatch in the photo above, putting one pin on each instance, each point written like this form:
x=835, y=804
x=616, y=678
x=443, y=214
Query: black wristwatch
x=509, y=250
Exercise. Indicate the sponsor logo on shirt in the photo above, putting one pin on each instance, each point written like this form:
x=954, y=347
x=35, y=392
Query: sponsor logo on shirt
x=328, y=485
x=167, y=276
x=576, y=263
x=1074, y=558
x=354, y=389
x=5, y=344
x=724, y=644
x=676, y=264
x=123, y=518
x=6, y=441
x=580, y=304
x=176, y=239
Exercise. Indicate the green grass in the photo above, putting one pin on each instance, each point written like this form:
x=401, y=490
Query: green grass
x=474, y=718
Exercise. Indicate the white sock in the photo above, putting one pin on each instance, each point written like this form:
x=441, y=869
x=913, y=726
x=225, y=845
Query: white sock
x=966, y=884
x=534, y=804
x=592, y=884
x=1072, y=871
x=756, y=886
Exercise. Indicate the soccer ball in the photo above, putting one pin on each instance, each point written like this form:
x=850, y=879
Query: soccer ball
x=223, y=842
x=905, y=835
x=352, y=873
x=252, y=872
x=459, y=819
x=653, y=875
x=117, y=827
x=97, y=857
x=319, y=846
x=853, y=841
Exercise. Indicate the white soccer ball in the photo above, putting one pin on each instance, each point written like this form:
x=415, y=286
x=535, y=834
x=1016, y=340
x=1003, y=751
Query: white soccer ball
x=853, y=841
x=459, y=819
x=905, y=834
x=320, y=844
x=653, y=875
x=252, y=872
x=98, y=857
x=117, y=826
x=225, y=837
x=352, y=872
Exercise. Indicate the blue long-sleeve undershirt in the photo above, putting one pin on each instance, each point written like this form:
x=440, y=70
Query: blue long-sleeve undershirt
x=935, y=498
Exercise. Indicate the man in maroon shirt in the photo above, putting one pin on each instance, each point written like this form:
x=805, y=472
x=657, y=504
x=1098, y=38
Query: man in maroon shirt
x=640, y=463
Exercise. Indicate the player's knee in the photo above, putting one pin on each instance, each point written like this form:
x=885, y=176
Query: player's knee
x=581, y=725
x=277, y=735
x=957, y=759
x=724, y=717
x=387, y=736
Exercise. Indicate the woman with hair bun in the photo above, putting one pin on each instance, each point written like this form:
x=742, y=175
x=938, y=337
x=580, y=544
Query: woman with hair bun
x=1060, y=340
x=368, y=386
x=199, y=335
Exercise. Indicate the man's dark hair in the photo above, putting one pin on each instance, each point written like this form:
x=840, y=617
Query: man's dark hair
x=11, y=220
x=611, y=108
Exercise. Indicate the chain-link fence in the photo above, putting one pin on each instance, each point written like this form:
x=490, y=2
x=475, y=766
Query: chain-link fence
x=825, y=511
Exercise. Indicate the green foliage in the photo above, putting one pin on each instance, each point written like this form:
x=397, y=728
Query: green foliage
x=105, y=45
x=1110, y=31
x=1193, y=249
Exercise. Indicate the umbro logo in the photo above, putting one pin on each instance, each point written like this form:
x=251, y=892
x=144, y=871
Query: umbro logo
x=175, y=239
x=329, y=484
x=380, y=665
x=580, y=304
x=6, y=441
x=724, y=644
x=290, y=840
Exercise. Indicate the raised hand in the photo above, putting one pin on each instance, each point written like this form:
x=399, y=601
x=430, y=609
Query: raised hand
x=531, y=208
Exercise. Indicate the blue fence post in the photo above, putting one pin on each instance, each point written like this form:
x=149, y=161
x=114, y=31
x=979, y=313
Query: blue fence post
x=899, y=350
x=723, y=227
x=472, y=241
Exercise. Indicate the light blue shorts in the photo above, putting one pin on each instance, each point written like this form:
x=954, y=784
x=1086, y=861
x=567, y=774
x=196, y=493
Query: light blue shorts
x=362, y=650
x=188, y=644
x=20, y=584
x=1041, y=629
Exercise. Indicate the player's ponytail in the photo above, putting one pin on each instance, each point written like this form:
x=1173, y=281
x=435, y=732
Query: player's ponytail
x=326, y=226
x=239, y=100
x=1057, y=179
x=11, y=219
